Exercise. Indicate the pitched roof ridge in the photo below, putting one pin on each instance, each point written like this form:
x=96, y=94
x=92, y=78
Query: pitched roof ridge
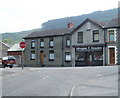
x=5, y=44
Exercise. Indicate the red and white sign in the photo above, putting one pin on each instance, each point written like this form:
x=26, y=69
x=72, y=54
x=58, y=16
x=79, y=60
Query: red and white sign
x=22, y=45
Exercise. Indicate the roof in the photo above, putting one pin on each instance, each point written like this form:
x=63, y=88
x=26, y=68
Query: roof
x=100, y=24
x=15, y=47
x=46, y=33
x=60, y=32
x=113, y=23
x=8, y=46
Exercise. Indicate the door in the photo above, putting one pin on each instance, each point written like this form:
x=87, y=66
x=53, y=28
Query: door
x=112, y=55
x=41, y=57
x=89, y=58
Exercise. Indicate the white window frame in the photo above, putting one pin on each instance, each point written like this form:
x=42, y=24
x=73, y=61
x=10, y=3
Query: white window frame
x=115, y=34
x=51, y=56
x=66, y=58
x=32, y=43
x=32, y=56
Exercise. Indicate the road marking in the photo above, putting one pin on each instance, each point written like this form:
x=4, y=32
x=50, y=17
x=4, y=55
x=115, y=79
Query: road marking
x=45, y=77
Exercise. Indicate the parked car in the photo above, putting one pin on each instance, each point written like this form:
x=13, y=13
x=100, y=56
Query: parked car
x=8, y=61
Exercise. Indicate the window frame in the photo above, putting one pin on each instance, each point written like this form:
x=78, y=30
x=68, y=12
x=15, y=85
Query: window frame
x=109, y=35
x=42, y=40
x=68, y=53
x=32, y=41
x=31, y=58
x=51, y=40
x=94, y=32
x=51, y=52
x=80, y=34
x=68, y=39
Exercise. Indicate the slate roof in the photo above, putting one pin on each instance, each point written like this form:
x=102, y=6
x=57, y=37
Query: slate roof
x=46, y=33
x=113, y=23
x=58, y=32
x=15, y=47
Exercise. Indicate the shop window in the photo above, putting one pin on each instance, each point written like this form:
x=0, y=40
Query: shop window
x=32, y=43
x=41, y=43
x=68, y=42
x=32, y=56
x=98, y=56
x=111, y=35
x=80, y=37
x=51, y=43
x=80, y=57
x=67, y=56
x=51, y=55
x=96, y=36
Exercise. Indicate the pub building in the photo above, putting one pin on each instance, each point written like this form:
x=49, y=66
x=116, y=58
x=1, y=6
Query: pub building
x=87, y=55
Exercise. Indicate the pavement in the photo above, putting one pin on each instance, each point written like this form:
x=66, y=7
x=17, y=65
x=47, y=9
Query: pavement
x=60, y=81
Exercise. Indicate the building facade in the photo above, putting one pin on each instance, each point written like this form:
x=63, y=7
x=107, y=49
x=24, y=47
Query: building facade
x=85, y=45
x=112, y=42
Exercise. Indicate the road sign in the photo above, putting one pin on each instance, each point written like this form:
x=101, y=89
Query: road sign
x=22, y=45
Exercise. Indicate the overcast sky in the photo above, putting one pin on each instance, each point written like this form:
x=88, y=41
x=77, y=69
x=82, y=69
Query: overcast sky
x=20, y=15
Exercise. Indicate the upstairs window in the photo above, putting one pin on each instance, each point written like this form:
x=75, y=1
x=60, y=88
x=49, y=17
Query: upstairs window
x=111, y=35
x=68, y=42
x=51, y=55
x=80, y=37
x=67, y=56
x=96, y=36
x=32, y=56
x=32, y=43
x=41, y=43
x=51, y=43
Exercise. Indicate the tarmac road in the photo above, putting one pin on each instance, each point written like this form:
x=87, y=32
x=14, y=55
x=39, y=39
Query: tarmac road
x=67, y=81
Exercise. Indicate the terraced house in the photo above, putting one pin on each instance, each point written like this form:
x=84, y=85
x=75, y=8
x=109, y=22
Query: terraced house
x=84, y=45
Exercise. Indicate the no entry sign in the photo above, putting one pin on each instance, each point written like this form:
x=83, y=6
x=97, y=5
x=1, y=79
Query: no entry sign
x=22, y=45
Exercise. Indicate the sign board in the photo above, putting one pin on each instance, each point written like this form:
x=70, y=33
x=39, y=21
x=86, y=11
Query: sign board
x=22, y=45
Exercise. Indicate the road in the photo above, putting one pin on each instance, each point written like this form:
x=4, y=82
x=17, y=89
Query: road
x=67, y=81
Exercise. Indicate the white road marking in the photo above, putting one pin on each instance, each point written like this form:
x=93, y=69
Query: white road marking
x=45, y=77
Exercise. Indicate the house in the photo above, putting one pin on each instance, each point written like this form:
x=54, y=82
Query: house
x=80, y=46
x=16, y=51
x=112, y=42
x=3, y=48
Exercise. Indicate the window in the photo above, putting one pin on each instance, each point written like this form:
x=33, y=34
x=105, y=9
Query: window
x=32, y=56
x=33, y=44
x=41, y=43
x=51, y=55
x=51, y=43
x=80, y=37
x=68, y=42
x=98, y=56
x=67, y=56
x=96, y=36
x=80, y=56
x=111, y=35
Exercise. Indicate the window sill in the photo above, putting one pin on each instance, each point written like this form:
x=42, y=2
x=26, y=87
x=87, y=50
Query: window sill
x=51, y=59
x=110, y=41
x=32, y=59
x=67, y=61
x=96, y=41
x=80, y=42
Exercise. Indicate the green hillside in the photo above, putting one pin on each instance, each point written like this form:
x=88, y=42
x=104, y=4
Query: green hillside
x=103, y=16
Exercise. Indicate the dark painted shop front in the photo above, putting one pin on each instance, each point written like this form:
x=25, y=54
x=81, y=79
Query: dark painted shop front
x=89, y=56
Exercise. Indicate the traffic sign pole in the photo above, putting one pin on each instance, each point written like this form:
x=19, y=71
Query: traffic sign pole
x=22, y=45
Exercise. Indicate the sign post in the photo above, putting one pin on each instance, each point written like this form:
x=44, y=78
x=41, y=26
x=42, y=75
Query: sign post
x=22, y=45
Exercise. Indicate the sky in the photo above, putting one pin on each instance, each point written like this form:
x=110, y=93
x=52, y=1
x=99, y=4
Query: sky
x=21, y=15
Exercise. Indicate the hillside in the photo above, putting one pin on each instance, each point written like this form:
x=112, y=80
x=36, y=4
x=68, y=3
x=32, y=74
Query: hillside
x=103, y=16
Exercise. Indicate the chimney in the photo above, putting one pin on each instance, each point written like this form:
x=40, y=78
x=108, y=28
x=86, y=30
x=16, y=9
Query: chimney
x=70, y=25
